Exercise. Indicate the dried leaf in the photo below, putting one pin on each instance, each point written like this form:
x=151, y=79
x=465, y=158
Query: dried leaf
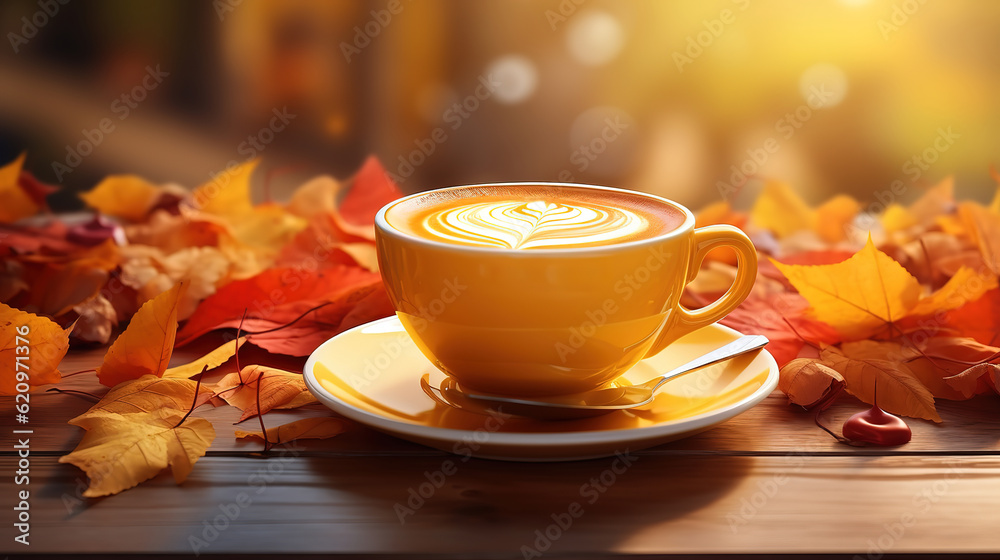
x=31, y=345
x=96, y=320
x=984, y=227
x=899, y=390
x=212, y=360
x=806, y=382
x=147, y=343
x=322, y=427
x=860, y=296
x=978, y=379
x=780, y=210
x=278, y=387
x=150, y=272
x=121, y=450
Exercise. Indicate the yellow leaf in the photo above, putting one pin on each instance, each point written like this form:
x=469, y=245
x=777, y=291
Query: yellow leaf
x=123, y=196
x=31, y=345
x=318, y=196
x=899, y=391
x=858, y=297
x=121, y=450
x=14, y=202
x=147, y=343
x=148, y=394
x=228, y=193
x=983, y=226
x=834, y=216
x=780, y=210
x=897, y=218
x=309, y=428
x=965, y=286
x=212, y=360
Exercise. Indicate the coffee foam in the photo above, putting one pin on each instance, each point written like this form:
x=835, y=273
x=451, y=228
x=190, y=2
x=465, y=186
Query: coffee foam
x=533, y=217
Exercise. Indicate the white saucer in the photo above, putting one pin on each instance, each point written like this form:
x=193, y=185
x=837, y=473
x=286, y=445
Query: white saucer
x=371, y=374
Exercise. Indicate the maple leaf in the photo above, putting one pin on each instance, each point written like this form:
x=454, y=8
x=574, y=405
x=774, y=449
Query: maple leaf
x=121, y=450
x=278, y=296
x=209, y=361
x=781, y=319
x=860, y=296
x=15, y=203
x=30, y=347
x=147, y=343
x=321, y=427
x=370, y=190
x=277, y=387
x=901, y=392
x=123, y=196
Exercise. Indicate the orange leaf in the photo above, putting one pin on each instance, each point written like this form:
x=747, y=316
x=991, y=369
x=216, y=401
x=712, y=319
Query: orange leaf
x=979, y=319
x=901, y=392
x=277, y=387
x=148, y=394
x=147, y=343
x=15, y=203
x=124, y=196
x=321, y=427
x=975, y=380
x=984, y=227
x=370, y=190
x=31, y=348
x=807, y=382
x=781, y=210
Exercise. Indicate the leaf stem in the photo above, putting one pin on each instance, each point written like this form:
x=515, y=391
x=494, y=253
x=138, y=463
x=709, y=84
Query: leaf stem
x=194, y=401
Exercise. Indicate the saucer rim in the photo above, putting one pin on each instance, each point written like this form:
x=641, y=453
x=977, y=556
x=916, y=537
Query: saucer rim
x=545, y=438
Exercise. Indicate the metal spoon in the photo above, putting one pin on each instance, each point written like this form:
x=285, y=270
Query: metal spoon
x=591, y=403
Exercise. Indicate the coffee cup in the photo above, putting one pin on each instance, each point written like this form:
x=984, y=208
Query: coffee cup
x=536, y=289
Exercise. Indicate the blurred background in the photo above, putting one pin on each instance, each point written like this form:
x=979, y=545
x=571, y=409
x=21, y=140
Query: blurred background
x=694, y=101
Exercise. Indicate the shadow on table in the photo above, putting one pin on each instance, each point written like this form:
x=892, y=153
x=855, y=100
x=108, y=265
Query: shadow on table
x=445, y=504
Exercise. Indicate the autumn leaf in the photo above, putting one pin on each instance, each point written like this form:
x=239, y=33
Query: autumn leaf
x=277, y=387
x=899, y=390
x=984, y=227
x=123, y=196
x=149, y=394
x=170, y=233
x=212, y=360
x=147, y=343
x=229, y=192
x=15, y=203
x=979, y=319
x=370, y=190
x=964, y=287
x=860, y=296
x=935, y=358
x=807, y=382
x=975, y=380
x=782, y=211
x=121, y=450
x=316, y=196
x=278, y=296
x=781, y=318
x=151, y=272
x=834, y=218
x=29, y=345
x=322, y=427
x=96, y=319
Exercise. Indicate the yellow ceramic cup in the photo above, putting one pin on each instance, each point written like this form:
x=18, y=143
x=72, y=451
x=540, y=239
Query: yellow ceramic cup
x=552, y=321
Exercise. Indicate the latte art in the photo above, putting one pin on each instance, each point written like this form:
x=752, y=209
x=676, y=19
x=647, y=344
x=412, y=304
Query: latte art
x=530, y=225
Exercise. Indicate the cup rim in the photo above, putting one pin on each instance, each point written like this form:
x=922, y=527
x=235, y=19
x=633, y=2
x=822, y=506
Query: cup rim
x=381, y=224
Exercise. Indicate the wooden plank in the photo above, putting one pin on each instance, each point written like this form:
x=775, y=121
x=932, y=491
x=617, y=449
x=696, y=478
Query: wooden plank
x=658, y=504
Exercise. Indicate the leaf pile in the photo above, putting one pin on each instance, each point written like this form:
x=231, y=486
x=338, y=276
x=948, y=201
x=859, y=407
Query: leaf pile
x=906, y=299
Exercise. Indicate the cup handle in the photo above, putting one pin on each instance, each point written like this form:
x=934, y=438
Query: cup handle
x=704, y=240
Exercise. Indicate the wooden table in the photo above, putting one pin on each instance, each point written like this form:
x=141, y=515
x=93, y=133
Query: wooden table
x=766, y=482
